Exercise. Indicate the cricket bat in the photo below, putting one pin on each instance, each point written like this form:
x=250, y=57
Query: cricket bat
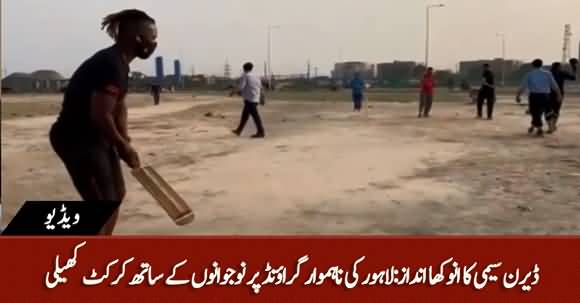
x=165, y=195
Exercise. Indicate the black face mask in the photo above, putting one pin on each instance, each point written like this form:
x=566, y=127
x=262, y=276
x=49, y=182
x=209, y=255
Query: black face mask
x=144, y=49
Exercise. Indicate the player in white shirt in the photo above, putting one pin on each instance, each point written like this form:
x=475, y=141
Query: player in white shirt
x=250, y=89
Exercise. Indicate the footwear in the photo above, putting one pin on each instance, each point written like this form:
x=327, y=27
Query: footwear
x=550, y=126
x=419, y=116
x=258, y=136
x=540, y=132
x=531, y=130
x=237, y=132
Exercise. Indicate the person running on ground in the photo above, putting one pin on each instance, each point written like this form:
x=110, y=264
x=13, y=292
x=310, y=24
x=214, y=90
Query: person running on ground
x=358, y=87
x=561, y=76
x=250, y=89
x=539, y=83
x=427, y=93
x=486, y=93
x=90, y=135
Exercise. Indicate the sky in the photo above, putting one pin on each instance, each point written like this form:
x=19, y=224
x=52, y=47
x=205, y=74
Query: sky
x=203, y=34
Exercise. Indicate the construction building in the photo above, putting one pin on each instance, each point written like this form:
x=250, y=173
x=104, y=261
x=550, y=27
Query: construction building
x=399, y=72
x=344, y=72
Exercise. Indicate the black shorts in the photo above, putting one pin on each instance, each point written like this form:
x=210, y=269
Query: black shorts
x=94, y=168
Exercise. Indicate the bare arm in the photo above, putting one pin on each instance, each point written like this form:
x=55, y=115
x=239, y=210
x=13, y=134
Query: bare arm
x=121, y=120
x=102, y=114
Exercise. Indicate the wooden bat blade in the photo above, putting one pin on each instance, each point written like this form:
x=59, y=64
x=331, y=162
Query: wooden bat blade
x=164, y=195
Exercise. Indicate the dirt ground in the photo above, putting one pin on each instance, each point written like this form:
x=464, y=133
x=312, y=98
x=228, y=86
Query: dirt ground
x=325, y=170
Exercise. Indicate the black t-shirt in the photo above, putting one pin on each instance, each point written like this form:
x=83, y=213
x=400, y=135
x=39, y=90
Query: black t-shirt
x=561, y=77
x=489, y=78
x=105, y=72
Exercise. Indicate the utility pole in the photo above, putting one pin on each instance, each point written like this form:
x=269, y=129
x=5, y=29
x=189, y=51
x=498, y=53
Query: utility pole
x=503, y=57
x=428, y=31
x=566, y=49
x=270, y=75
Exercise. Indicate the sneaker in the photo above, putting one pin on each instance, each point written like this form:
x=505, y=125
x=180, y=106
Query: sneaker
x=258, y=136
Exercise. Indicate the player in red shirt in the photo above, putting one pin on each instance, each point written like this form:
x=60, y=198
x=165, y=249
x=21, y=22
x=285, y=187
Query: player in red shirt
x=427, y=90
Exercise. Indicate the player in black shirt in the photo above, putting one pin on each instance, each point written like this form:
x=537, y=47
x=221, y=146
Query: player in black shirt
x=561, y=76
x=156, y=92
x=90, y=135
x=486, y=93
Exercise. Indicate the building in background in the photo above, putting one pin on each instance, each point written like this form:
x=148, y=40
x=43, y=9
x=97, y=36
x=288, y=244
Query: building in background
x=399, y=73
x=344, y=71
x=42, y=81
x=471, y=70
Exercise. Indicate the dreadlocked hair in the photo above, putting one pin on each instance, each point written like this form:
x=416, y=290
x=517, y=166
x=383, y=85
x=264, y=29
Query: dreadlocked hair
x=117, y=22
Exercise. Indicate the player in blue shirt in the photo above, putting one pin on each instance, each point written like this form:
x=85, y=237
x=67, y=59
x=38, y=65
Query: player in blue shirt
x=540, y=84
x=358, y=86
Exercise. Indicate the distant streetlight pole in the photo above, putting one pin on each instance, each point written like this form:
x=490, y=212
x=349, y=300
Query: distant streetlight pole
x=270, y=28
x=428, y=31
x=503, y=58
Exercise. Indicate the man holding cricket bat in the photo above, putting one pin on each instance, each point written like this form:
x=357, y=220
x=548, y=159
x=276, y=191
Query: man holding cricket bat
x=90, y=135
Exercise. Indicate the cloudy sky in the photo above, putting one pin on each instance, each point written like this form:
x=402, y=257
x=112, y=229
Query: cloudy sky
x=41, y=34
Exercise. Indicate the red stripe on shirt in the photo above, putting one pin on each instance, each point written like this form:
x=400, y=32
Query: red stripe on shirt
x=112, y=90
